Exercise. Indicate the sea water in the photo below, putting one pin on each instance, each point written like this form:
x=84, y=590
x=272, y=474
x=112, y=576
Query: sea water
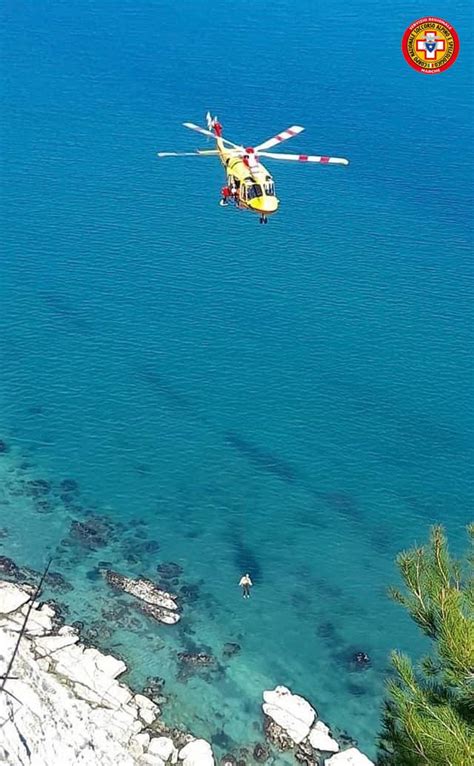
x=292, y=400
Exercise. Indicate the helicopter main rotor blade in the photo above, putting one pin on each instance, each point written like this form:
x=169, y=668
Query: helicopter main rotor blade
x=305, y=158
x=198, y=153
x=283, y=136
x=205, y=132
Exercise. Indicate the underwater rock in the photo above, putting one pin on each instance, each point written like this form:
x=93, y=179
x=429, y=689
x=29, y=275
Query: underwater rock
x=93, y=574
x=228, y=760
x=261, y=753
x=356, y=690
x=143, y=589
x=69, y=485
x=37, y=487
x=92, y=533
x=189, y=592
x=345, y=739
x=222, y=740
x=56, y=581
x=43, y=506
x=305, y=755
x=343, y=504
x=169, y=570
x=231, y=649
x=328, y=631
x=121, y=615
x=3, y=447
x=8, y=567
x=200, y=658
x=69, y=501
x=149, y=546
x=276, y=735
x=95, y=633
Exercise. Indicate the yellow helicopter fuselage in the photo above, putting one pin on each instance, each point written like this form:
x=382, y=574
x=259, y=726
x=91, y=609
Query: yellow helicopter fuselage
x=254, y=184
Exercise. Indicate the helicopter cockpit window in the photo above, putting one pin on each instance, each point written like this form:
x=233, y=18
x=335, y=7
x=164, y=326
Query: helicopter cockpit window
x=253, y=191
x=269, y=187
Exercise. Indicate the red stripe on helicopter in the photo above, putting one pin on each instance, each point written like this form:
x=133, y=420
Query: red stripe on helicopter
x=324, y=159
x=303, y=158
x=286, y=134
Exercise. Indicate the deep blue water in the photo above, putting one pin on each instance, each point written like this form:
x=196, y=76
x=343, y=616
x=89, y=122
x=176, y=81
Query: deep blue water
x=294, y=400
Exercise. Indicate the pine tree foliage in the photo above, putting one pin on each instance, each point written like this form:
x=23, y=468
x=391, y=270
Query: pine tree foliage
x=428, y=716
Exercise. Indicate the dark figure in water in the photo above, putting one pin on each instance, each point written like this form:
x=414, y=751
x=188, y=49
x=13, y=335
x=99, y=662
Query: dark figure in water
x=246, y=584
x=361, y=660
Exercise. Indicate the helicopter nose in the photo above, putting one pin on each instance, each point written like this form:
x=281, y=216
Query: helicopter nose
x=265, y=206
x=270, y=206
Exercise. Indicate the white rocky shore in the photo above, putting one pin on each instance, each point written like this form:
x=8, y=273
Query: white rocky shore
x=62, y=705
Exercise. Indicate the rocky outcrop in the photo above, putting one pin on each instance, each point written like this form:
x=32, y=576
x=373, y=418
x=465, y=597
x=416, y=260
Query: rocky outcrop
x=153, y=601
x=289, y=723
x=63, y=702
x=164, y=748
x=351, y=757
x=320, y=738
x=197, y=753
x=290, y=711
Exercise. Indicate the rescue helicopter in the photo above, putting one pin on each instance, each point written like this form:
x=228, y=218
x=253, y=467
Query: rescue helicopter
x=249, y=184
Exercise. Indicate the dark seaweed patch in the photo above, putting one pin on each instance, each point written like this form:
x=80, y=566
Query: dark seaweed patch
x=63, y=308
x=245, y=560
x=262, y=459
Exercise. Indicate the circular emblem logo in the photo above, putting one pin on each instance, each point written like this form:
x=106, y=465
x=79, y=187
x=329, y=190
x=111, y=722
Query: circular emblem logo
x=430, y=45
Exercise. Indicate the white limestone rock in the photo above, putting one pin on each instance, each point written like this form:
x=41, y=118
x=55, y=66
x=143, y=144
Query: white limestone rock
x=351, y=757
x=142, y=701
x=197, y=753
x=47, y=645
x=150, y=760
x=320, y=738
x=68, y=630
x=143, y=739
x=40, y=621
x=164, y=748
x=55, y=725
x=12, y=597
x=105, y=663
x=148, y=716
x=290, y=711
x=44, y=663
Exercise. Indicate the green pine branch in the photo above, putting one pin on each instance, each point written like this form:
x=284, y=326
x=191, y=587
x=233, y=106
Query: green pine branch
x=428, y=715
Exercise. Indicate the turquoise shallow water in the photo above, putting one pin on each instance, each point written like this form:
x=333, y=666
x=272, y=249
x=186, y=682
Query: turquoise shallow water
x=294, y=400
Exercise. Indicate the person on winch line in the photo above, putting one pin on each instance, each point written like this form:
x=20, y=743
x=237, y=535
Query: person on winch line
x=225, y=193
x=246, y=584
